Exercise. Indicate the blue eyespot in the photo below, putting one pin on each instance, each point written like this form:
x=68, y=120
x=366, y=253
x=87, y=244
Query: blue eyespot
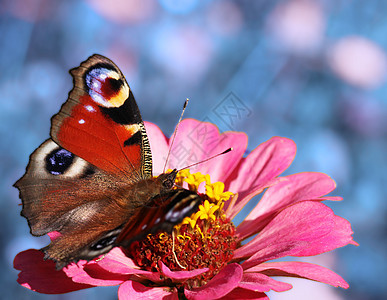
x=58, y=161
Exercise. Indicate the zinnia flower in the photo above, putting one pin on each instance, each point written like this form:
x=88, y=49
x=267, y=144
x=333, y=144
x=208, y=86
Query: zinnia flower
x=207, y=257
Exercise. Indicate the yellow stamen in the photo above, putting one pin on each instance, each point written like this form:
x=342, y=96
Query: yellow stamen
x=204, y=239
x=211, y=208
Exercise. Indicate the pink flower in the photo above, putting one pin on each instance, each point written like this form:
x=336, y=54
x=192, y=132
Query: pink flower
x=289, y=220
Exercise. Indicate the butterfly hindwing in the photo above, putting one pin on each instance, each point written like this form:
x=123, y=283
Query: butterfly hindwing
x=61, y=190
x=161, y=214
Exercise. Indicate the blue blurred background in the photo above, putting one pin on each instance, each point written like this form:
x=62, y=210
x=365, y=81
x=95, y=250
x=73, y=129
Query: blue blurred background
x=314, y=71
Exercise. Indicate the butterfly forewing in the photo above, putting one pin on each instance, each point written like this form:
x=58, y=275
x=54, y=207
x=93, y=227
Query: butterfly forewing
x=101, y=122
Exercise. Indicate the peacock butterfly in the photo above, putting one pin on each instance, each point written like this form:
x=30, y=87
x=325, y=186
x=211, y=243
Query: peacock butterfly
x=92, y=180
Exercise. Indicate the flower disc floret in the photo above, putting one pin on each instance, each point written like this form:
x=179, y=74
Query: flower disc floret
x=206, y=239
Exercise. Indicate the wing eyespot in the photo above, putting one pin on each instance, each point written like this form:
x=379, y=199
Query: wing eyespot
x=106, y=86
x=52, y=160
x=58, y=161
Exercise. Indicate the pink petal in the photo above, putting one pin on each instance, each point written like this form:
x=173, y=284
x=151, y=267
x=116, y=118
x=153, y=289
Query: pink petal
x=159, y=146
x=301, y=270
x=291, y=189
x=332, y=198
x=41, y=276
x=296, y=223
x=262, y=283
x=180, y=275
x=259, y=168
x=340, y=236
x=310, y=223
x=91, y=273
x=112, y=269
x=196, y=141
x=275, y=251
x=53, y=235
x=117, y=262
x=220, y=285
x=240, y=293
x=131, y=290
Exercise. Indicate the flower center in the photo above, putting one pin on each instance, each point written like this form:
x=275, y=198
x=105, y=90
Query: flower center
x=206, y=239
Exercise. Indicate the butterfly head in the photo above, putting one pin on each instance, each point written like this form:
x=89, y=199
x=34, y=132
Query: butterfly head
x=167, y=180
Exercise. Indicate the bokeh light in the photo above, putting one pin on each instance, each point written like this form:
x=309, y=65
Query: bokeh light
x=124, y=11
x=298, y=25
x=358, y=61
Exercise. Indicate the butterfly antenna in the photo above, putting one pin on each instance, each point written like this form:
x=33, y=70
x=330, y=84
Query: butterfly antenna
x=174, y=133
x=207, y=159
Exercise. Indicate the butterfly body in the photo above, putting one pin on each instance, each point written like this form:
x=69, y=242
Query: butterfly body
x=92, y=180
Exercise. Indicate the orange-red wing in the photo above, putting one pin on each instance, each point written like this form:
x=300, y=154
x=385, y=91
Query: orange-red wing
x=101, y=123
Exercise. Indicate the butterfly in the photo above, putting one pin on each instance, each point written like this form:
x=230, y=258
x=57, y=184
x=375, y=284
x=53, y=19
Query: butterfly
x=92, y=180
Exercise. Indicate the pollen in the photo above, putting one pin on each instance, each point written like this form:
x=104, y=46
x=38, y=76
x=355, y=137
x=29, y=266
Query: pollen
x=206, y=239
